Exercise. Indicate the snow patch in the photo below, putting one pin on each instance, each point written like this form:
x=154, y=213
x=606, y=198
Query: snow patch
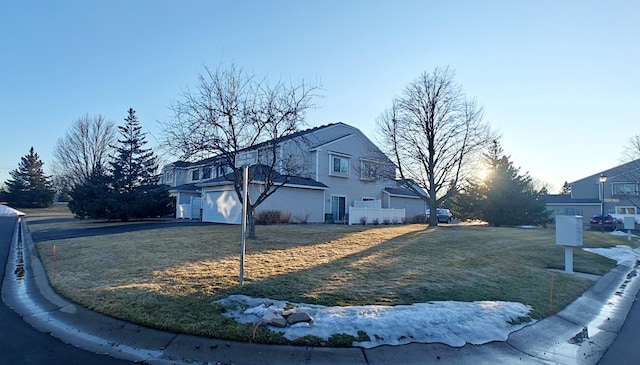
x=449, y=322
x=6, y=211
x=620, y=253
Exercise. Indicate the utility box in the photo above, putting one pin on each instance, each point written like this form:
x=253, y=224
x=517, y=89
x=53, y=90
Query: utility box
x=629, y=223
x=569, y=230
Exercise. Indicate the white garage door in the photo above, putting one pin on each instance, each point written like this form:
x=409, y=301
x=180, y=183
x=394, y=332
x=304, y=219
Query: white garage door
x=222, y=207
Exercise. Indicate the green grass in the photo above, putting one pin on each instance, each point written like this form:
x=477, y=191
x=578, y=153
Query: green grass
x=167, y=278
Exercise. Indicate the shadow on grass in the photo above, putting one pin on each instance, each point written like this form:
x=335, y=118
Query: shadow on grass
x=101, y=229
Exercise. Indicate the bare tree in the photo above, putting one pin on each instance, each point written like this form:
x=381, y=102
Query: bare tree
x=631, y=149
x=85, y=145
x=232, y=111
x=433, y=133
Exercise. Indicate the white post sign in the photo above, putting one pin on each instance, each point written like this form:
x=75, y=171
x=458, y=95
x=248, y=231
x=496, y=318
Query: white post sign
x=244, y=160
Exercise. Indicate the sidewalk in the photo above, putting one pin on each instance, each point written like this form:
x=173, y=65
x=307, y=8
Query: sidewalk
x=580, y=334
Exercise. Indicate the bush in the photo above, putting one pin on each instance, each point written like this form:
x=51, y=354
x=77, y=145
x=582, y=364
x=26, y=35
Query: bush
x=363, y=220
x=272, y=217
x=420, y=218
x=303, y=218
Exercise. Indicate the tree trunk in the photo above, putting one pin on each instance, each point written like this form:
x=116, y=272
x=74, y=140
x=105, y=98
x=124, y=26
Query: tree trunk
x=251, y=224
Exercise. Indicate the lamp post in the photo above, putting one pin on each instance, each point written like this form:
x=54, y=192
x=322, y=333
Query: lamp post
x=602, y=179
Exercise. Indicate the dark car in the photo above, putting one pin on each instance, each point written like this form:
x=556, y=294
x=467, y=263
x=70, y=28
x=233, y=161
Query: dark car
x=603, y=222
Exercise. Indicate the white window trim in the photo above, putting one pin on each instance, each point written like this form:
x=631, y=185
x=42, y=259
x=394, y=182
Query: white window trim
x=364, y=175
x=614, y=192
x=346, y=157
x=626, y=207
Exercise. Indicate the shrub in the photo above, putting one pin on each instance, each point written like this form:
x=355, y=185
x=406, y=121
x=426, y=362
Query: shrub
x=363, y=220
x=272, y=217
x=376, y=221
x=420, y=218
x=303, y=218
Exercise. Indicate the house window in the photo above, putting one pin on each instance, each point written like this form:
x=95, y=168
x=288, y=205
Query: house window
x=339, y=166
x=367, y=170
x=168, y=177
x=625, y=189
x=206, y=173
x=573, y=211
x=195, y=175
x=626, y=210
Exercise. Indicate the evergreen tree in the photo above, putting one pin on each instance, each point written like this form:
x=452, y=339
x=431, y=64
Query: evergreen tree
x=566, y=189
x=29, y=186
x=94, y=197
x=133, y=170
x=504, y=197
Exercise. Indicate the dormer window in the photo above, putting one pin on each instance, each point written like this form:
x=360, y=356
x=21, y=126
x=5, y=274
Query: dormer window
x=195, y=175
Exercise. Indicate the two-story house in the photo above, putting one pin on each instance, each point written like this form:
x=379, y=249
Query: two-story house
x=337, y=167
x=614, y=191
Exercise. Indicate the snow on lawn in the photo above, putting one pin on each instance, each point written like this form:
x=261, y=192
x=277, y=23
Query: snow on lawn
x=448, y=322
x=619, y=253
x=6, y=211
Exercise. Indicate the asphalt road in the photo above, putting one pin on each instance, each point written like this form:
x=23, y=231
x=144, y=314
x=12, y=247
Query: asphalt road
x=625, y=350
x=22, y=344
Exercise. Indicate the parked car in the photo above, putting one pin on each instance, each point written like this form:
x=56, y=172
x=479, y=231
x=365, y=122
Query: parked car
x=603, y=222
x=444, y=215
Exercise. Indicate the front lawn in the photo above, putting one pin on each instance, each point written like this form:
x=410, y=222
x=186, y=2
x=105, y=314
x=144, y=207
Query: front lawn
x=167, y=278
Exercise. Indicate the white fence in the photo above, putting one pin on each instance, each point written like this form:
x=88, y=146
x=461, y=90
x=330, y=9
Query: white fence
x=189, y=211
x=381, y=215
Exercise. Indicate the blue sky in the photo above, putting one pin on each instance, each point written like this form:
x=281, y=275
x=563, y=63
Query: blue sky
x=558, y=79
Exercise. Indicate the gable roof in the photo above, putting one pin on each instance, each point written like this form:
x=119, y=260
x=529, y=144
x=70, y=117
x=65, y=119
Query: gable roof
x=614, y=172
x=209, y=160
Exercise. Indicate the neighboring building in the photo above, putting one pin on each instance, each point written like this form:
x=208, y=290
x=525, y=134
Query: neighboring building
x=614, y=191
x=338, y=168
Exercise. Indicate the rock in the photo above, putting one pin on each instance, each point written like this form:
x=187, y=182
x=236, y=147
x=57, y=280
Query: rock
x=274, y=318
x=299, y=317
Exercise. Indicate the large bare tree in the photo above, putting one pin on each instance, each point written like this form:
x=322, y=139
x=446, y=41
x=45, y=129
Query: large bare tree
x=433, y=133
x=232, y=111
x=85, y=146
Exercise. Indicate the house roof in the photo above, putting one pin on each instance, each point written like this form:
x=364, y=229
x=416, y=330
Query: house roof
x=566, y=199
x=257, y=174
x=184, y=164
x=401, y=192
x=615, y=172
x=185, y=188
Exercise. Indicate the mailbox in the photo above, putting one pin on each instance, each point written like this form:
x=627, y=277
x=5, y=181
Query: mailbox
x=569, y=230
x=629, y=223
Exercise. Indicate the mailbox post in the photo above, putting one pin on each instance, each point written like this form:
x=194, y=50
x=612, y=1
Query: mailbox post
x=569, y=235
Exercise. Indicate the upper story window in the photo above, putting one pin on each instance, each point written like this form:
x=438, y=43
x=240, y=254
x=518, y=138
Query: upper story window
x=367, y=170
x=206, y=173
x=339, y=165
x=195, y=175
x=625, y=189
x=168, y=177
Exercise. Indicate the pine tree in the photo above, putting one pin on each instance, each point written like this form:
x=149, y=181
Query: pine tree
x=94, y=197
x=505, y=197
x=133, y=170
x=29, y=186
x=566, y=189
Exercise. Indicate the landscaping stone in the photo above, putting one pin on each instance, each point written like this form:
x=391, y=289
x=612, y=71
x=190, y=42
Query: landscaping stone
x=298, y=317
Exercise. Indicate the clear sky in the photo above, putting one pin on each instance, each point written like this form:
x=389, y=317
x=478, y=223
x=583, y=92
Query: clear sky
x=558, y=79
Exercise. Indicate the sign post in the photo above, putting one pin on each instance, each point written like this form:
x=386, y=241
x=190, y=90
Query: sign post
x=244, y=160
